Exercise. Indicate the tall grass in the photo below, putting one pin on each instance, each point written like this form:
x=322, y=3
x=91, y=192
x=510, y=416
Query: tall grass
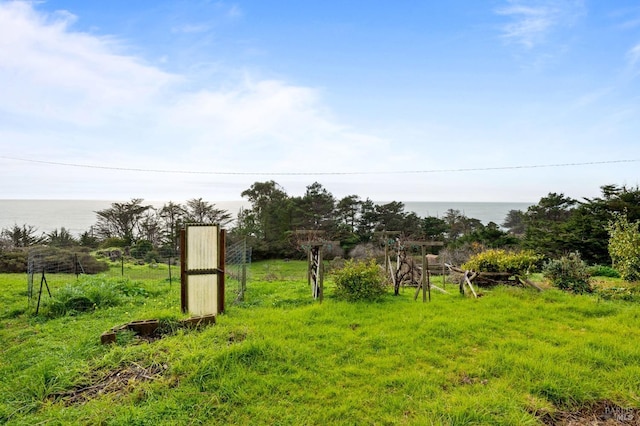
x=279, y=357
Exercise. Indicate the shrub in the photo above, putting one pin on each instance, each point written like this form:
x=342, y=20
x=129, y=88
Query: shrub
x=603, y=271
x=497, y=260
x=140, y=249
x=359, y=280
x=51, y=259
x=13, y=261
x=568, y=273
x=114, y=242
x=624, y=247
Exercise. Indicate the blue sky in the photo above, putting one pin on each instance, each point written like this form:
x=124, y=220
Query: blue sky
x=408, y=101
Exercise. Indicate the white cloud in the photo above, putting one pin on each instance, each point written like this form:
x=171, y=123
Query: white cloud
x=531, y=22
x=634, y=55
x=51, y=73
x=74, y=97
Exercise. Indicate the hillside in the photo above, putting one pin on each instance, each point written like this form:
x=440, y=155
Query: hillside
x=512, y=356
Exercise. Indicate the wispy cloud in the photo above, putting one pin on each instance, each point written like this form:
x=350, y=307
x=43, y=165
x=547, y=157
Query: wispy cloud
x=78, y=97
x=234, y=11
x=531, y=22
x=634, y=55
x=231, y=10
x=627, y=17
x=630, y=24
x=191, y=28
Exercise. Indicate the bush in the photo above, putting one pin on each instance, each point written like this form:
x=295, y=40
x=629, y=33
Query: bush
x=624, y=247
x=360, y=281
x=153, y=256
x=497, y=260
x=51, y=259
x=114, y=242
x=603, y=271
x=140, y=249
x=14, y=261
x=568, y=273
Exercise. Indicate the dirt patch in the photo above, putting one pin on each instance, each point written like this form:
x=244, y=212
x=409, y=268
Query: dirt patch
x=468, y=380
x=236, y=337
x=602, y=413
x=151, y=330
x=119, y=382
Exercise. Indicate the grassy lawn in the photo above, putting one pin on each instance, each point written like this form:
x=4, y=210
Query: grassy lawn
x=510, y=357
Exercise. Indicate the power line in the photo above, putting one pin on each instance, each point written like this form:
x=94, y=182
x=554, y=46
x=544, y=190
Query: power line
x=351, y=173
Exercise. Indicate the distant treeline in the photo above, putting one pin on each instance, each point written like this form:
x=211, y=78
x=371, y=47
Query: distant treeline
x=554, y=226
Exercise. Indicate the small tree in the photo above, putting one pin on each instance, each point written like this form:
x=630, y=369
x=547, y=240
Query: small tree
x=61, y=238
x=121, y=220
x=624, y=247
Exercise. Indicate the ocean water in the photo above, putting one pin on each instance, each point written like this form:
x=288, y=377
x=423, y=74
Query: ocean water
x=77, y=216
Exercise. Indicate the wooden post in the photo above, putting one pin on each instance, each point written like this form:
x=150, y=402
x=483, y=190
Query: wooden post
x=309, y=265
x=423, y=277
x=386, y=257
x=384, y=235
x=466, y=278
x=183, y=270
x=443, y=280
x=244, y=266
x=320, y=275
x=221, y=274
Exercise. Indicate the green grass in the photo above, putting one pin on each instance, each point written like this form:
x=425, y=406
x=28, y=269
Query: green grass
x=279, y=357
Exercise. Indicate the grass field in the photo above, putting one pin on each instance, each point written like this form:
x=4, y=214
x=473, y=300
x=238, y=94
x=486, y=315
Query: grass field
x=514, y=356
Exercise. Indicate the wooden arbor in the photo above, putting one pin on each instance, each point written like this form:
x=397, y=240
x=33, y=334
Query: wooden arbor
x=425, y=276
x=406, y=271
x=313, y=243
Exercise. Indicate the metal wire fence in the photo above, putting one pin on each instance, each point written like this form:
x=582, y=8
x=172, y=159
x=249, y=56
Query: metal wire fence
x=57, y=268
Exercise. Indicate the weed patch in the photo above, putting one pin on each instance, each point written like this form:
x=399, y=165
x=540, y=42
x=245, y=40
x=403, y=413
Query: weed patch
x=89, y=293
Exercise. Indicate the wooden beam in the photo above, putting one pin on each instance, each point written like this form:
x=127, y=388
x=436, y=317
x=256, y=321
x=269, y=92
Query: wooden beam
x=466, y=277
x=423, y=243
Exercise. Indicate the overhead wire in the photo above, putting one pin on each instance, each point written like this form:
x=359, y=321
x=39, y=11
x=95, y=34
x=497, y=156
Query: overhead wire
x=339, y=173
